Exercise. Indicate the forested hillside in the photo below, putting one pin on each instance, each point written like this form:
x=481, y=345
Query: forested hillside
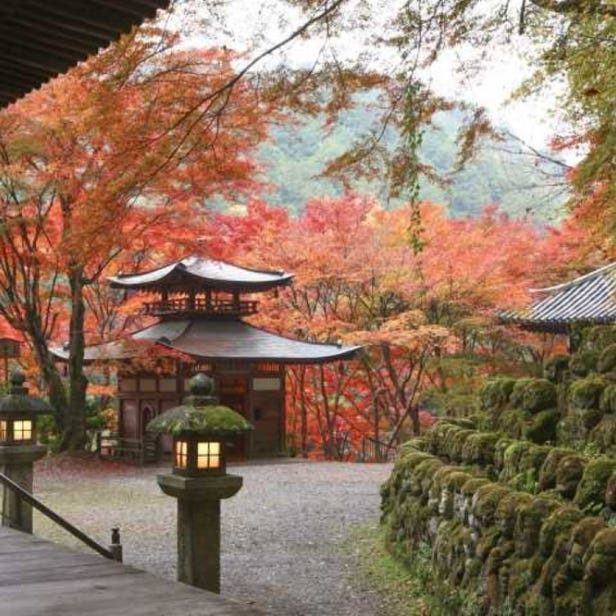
x=501, y=174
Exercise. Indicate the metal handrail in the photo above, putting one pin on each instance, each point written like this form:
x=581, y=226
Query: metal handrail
x=115, y=553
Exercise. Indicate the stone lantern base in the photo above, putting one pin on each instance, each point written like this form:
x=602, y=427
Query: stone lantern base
x=198, y=524
x=16, y=463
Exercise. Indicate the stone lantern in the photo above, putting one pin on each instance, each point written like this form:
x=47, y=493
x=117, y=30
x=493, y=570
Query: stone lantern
x=19, y=449
x=199, y=479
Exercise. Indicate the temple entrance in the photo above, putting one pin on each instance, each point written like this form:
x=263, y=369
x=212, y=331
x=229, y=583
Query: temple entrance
x=232, y=392
x=267, y=418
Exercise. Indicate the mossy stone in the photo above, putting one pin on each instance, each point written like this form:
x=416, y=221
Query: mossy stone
x=507, y=509
x=608, y=399
x=606, y=361
x=603, y=435
x=479, y=448
x=529, y=520
x=494, y=393
x=538, y=395
x=457, y=442
x=597, y=337
x=499, y=451
x=547, y=473
x=590, y=494
x=583, y=363
x=486, y=500
x=512, y=459
x=586, y=393
x=610, y=492
x=556, y=368
x=558, y=524
x=513, y=422
x=516, y=397
x=600, y=561
x=569, y=473
x=211, y=419
x=542, y=427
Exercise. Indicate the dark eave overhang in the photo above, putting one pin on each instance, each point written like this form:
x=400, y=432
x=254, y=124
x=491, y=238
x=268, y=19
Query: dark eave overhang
x=40, y=39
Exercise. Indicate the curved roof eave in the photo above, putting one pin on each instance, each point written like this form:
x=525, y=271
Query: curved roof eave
x=209, y=272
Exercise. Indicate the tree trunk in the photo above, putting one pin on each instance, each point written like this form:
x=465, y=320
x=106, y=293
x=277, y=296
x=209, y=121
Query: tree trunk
x=50, y=375
x=74, y=428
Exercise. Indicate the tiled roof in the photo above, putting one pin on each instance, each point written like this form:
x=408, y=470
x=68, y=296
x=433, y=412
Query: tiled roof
x=205, y=273
x=40, y=39
x=218, y=340
x=588, y=299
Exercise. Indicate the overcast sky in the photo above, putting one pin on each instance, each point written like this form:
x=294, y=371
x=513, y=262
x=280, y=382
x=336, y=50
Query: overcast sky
x=256, y=24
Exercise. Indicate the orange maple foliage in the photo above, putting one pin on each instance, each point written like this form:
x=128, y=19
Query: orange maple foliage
x=358, y=280
x=105, y=168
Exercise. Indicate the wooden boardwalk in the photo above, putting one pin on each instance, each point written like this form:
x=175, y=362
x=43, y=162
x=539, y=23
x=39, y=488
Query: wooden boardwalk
x=39, y=578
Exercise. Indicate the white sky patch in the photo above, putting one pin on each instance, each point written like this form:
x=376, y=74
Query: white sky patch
x=255, y=25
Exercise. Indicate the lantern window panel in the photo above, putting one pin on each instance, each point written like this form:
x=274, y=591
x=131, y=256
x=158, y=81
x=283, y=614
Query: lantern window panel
x=22, y=430
x=181, y=454
x=3, y=431
x=208, y=455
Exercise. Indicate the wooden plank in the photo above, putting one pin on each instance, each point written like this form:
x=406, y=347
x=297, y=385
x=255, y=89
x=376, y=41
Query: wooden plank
x=38, y=578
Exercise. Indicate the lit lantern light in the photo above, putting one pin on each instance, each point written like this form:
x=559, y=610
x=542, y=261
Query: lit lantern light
x=199, y=428
x=18, y=413
x=194, y=455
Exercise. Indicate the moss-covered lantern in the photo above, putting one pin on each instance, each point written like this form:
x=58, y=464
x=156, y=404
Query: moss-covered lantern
x=18, y=412
x=199, y=428
x=199, y=480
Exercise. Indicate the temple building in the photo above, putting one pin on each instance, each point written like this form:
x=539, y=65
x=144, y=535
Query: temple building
x=199, y=305
x=586, y=300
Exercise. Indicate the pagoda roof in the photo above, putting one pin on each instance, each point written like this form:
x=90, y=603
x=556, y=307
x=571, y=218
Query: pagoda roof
x=40, y=39
x=200, y=273
x=587, y=299
x=217, y=341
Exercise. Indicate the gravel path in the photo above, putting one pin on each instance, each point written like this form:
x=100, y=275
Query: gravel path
x=285, y=535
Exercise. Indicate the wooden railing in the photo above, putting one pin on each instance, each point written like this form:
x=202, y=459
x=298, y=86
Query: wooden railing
x=136, y=450
x=115, y=549
x=373, y=450
x=200, y=306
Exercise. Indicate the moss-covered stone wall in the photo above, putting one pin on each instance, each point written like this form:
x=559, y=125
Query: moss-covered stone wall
x=526, y=546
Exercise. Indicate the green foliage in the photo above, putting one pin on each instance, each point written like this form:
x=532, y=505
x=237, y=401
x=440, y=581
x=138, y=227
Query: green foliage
x=296, y=156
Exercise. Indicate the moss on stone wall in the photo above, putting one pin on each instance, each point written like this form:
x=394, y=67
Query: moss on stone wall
x=514, y=551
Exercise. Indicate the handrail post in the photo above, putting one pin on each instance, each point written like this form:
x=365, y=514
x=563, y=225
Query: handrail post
x=116, y=546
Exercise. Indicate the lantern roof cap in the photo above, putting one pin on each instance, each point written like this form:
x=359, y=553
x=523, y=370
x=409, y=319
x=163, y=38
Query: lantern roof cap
x=200, y=414
x=18, y=400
